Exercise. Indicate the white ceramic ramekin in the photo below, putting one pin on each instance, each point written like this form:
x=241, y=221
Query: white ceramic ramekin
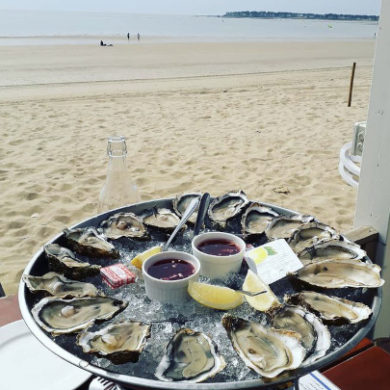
x=218, y=267
x=169, y=291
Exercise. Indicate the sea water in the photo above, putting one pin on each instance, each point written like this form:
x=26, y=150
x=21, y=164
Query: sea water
x=55, y=27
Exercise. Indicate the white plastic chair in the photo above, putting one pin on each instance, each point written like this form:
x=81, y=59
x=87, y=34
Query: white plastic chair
x=348, y=169
x=351, y=155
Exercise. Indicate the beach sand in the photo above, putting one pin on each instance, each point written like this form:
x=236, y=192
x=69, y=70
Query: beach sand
x=268, y=118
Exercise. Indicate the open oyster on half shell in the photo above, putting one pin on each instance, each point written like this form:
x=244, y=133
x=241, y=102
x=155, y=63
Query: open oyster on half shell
x=124, y=225
x=181, y=202
x=161, y=219
x=315, y=336
x=59, y=286
x=331, y=250
x=64, y=261
x=190, y=357
x=256, y=218
x=341, y=273
x=266, y=350
x=88, y=241
x=119, y=342
x=284, y=227
x=310, y=234
x=227, y=206
x=62, y=316
x=331, y=309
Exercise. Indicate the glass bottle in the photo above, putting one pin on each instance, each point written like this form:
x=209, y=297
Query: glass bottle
x=118, y=190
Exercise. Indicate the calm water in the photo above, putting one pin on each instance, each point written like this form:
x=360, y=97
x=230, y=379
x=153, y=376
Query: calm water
x=41, y=27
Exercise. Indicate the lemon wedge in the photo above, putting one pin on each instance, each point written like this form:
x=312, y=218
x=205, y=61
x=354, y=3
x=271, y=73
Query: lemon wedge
x=216, y=297
x=262, y=302
x=141, y=257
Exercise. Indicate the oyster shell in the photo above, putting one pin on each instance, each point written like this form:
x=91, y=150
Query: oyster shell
x=59, y=286
x=124, y=225
x=331, y=309
x=256, y=218
x=266, y=350
x=341, y=273
x=315, y=336
x=162, y=219
x=120, y=342
x=89, y=242
x=61, y=316
x=191, y=357
x=331, y=250
x=310, y=234
x=180, y=204
x=284, y=227
x=63, y=260
x=227, y=206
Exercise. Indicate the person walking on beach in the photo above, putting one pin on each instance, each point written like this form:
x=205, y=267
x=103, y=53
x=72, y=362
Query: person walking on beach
x=128, y=36
x=138, y=36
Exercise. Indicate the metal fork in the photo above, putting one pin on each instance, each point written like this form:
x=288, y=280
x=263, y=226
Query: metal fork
x=100, y=383
x=251, y=294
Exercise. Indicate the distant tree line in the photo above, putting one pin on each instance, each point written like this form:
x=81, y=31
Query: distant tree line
x=295, y=15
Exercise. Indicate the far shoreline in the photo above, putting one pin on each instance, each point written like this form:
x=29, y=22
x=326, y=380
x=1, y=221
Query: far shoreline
x=118, y=39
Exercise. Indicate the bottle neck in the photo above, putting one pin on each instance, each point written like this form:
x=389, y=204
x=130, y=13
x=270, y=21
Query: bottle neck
x=117, y=163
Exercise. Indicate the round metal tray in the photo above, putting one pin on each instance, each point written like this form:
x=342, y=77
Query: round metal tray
x=345, y=340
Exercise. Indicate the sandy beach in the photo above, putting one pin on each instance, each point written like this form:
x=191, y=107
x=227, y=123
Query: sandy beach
x=266, y=117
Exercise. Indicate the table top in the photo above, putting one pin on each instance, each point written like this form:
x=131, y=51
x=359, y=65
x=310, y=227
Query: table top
x=9, y=309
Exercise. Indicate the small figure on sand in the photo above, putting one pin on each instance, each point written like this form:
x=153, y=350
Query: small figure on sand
x=138, y=36
x=105, y=44
x=128, y=36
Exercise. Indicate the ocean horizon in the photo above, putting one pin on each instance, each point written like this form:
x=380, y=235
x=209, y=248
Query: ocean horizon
x=65, y=27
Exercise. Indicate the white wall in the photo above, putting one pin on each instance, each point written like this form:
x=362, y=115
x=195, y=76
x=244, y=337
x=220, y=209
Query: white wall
x=373, y=203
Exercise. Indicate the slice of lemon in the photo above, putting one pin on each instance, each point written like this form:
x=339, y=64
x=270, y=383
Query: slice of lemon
x=263, y=302
x=216, y=297
x=141, y=257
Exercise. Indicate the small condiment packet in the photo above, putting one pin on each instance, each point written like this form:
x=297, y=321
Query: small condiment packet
x=117, y=275
x=273, y=260
x=316, y=381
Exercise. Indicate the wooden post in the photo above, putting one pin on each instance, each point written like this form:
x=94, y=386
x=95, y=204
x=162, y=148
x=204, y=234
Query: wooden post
x=351, y=84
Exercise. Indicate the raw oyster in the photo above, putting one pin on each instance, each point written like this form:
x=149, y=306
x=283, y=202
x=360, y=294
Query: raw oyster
x=180, y=204
x=191, y=357
x=256, y=218
x=120, y=342
x=341, y=273
x=63, y=260
x=268, y=351
x=311, y=234
x=284, y=227
x=59, y=286
x=162, y=219
x=89, y=242
x=315, y=336
x=227, y=206
x=331, y=250
x=61, y=316
x=124, y=225
x=331, y=309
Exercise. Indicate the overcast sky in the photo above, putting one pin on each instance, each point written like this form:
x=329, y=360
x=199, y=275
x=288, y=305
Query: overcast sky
x=197, y=7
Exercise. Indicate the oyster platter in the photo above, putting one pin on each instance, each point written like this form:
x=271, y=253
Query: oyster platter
x=300, y=323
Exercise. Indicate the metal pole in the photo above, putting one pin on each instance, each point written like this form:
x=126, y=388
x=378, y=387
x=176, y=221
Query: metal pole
x=351, y=84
